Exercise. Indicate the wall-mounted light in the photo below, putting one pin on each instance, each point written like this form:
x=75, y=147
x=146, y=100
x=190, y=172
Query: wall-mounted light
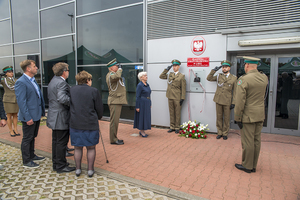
x=268, y=41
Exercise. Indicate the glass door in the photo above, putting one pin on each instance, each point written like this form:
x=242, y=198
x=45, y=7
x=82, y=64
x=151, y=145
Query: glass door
x=286, y=115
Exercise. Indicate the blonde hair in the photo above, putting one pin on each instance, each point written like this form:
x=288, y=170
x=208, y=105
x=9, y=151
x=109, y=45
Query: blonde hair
x=141, y=74
x=82, y=77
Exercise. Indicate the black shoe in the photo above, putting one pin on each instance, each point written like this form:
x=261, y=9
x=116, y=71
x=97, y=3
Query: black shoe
x=16, y=134
x=118, y=142
x=219, y=136
x=121, y=140
x=253, y=170
x=68, y=149
x=176, y=131
x=38, y=158
x=240, y=167
x=171, y=130
x=66, y=169
x=224, y=137
x=69, y=154
x=31, y=164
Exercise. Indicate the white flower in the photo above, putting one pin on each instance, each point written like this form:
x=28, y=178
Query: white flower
x=189, y=122
x=201, y=135
x=195, y=134
x=191, y=130
x=206, y=125
x=184, y=125
x=186, y=136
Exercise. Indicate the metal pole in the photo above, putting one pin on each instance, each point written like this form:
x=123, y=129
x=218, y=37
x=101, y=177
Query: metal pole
x=103, y=146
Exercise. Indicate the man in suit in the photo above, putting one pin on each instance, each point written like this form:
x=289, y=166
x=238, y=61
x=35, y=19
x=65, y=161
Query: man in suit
x=249, y=112
x=116, y=98
x=3, y=120
x=224, y=96
x=175, y=93
x=32, y=108
x=59, y=116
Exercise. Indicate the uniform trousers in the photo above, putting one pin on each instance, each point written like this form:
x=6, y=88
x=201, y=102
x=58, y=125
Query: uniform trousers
x=251, y=141
x=175, y=113
x=223, y=119
x=60, y=139
x=27, y=146
x=115, y=113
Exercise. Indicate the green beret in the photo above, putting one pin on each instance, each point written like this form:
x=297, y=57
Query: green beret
x=112, y=63
x=176, y=62
x=7, y=68
x=251, y=60
x=226, y=63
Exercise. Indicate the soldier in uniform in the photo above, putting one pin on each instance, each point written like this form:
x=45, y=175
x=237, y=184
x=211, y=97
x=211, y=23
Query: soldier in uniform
x=249, y=112
x=175, y=93
x=116, y=98
x=224, y=96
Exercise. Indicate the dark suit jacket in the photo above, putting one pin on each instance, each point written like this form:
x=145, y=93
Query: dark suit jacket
x=2, y=112
x=59, y=104
x=30, y=104
x=86, y=107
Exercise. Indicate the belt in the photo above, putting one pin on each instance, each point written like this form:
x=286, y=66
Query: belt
x=146, y=97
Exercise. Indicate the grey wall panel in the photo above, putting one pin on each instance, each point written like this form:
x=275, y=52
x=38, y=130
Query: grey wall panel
x=165, y=50
x=160, y=109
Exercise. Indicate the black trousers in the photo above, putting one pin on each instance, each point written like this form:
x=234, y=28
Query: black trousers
x=60, y=139
x=27, y=145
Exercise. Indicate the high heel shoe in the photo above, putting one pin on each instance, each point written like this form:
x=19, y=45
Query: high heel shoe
x=78, y=172
x=91, y=173
x=146, y=135
x=16, y=134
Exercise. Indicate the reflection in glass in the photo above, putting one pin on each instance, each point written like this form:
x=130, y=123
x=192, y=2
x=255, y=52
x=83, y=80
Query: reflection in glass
x=112, y=34
x=131, y=81
x=47, y=3
x=263, y=66
x=84, y=6
x=25, y=20
x=288, y=93
x=54, y=51
x=5, y=32
x=19, y=72
x=26, y=48
x=6, y=62
x=4, y=10
x=5, y=50
x=61, y=14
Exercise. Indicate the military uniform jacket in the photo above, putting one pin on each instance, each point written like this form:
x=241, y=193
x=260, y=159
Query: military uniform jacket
x=9, y=90
x=250, y=92
x=176, y=85
x=116, y=88
x=225, y=94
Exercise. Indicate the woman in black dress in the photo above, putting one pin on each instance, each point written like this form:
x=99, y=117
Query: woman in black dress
x=142, y=116
x=86, y=109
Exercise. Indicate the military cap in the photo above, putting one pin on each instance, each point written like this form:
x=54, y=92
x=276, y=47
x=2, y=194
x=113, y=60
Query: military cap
x=226, y=63
x=251, y=60
x=7, y=68
x=112, y=63
x=176, y=62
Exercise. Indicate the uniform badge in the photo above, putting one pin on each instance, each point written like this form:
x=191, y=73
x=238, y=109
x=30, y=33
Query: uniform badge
x=240, y=82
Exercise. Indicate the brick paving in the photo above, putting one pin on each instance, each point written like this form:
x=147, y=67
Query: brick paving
x=204, y=168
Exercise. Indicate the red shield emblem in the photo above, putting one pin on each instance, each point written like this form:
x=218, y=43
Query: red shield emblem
x=198, y=45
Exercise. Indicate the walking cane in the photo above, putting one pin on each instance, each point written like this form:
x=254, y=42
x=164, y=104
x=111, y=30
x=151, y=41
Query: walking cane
x=103, y=146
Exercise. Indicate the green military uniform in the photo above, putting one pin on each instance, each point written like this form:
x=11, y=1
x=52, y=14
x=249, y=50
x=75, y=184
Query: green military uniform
x=116, y=98
x=250, y=110
x=9, y=97
x=224, y=97
x=175, y=93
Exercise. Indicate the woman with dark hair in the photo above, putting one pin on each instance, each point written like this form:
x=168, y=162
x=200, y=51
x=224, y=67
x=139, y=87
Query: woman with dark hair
x=9, y=100
x=86, y=109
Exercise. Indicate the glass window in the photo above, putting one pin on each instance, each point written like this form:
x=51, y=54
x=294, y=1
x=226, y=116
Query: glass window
x=26, y=48
x=4, y=9
x=5, y=32
x=54, y=51
x=84, y=7
x=19, y=71
x=25, y=20
x=131, y=81
x=61, y=14
x=5, y=50
x=115, y=34
x=47, y=3
x=5, y=62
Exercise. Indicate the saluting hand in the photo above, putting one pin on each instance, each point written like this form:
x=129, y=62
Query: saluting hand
x=169, y=67
x=217, y=68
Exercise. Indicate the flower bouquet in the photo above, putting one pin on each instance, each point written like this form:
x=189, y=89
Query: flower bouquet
x=193, y=130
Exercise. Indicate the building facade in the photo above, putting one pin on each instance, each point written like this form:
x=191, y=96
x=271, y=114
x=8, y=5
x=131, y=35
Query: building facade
x=148, y=34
